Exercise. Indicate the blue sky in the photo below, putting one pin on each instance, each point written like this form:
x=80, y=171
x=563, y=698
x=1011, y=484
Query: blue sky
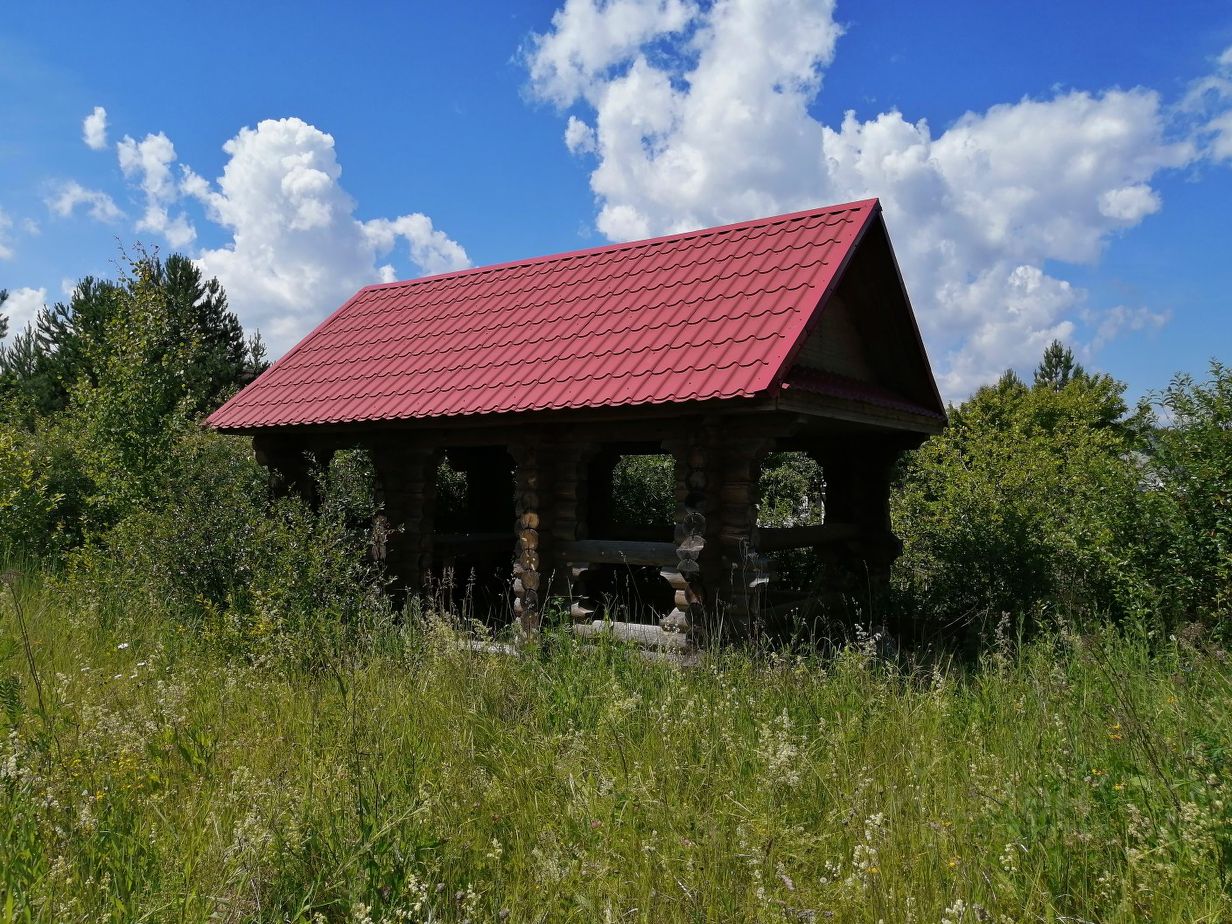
x=1072, y=174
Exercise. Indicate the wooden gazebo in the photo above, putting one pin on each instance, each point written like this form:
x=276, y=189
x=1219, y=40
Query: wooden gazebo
x=716, y=346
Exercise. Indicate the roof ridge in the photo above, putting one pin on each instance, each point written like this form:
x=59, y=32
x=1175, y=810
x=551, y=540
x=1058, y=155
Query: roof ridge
x=618, y=246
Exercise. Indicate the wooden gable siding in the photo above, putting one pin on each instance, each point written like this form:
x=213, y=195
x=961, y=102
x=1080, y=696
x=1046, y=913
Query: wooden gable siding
x=866, y=331
x=836, y=344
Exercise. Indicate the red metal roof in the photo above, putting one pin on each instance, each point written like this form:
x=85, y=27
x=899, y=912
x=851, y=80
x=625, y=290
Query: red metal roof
x=714, y=313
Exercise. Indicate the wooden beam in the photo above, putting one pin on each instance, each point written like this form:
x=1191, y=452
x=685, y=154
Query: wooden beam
x=618, y=552
x=776, y=538
x=448, y=539
x=480, y=429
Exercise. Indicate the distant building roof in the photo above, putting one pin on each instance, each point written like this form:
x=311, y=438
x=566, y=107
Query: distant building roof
x=712, y=314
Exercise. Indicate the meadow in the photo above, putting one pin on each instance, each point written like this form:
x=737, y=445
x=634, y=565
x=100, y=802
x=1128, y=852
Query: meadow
x=145, y=776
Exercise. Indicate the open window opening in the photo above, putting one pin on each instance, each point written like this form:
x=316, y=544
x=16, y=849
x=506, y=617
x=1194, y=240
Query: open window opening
x=472, y=534
x=791, y=498
x=791, y=491
x=632, y=499
x=643, y=495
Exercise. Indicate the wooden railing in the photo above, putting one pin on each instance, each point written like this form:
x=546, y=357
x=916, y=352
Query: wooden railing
x=777, y=538
x=619, y=552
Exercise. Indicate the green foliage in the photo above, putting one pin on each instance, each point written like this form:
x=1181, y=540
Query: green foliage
x=1058, y=367
x=1032, y=497
x=195, y=333
x=266, y=578
x=452, y=489
x=109, y=384
x=1191, y=461
x=349, y=488
x=793, y=491
x=1050, y=496
x=28, y=500
x=644, y=490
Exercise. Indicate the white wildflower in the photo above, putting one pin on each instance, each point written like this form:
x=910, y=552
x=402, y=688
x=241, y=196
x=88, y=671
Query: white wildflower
x=956, y=913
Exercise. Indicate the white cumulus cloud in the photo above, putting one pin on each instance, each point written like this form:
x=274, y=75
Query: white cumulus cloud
x=700, y=115
x=94, y=129
x=69, y=195
x=297, y=250
x=579, y=137
x=149, y=162
x=22, y=306
x=589, y=38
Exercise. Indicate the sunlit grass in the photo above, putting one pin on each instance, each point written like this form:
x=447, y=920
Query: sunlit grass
x=1079, y=779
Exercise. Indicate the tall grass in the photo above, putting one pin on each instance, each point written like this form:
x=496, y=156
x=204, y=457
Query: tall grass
x=1071, y=779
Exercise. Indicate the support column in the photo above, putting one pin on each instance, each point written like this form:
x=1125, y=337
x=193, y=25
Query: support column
x=406, y=498
x=532, y=492
x=697, y=575
x=743, y=566
x=858, y=492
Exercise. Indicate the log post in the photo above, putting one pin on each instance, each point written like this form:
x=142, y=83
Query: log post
x=572, y=520
x=696, y=577
x=744, y=568
x=406, y=500
x=533, y=529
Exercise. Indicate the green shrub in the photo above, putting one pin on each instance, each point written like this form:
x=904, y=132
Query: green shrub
x=644, y=490
x=1191, y=464
x=1032, y=497
x=27, y=503
x=264, y=577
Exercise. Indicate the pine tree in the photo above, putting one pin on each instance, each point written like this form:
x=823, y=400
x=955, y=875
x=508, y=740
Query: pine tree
x=1058, y=368
x=75, y=340
x=198, y=314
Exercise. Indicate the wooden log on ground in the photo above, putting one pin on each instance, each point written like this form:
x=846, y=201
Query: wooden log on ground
x=648, y=636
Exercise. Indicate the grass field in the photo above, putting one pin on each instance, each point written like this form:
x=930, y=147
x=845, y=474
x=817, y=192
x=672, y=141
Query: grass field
x=1071, y=779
